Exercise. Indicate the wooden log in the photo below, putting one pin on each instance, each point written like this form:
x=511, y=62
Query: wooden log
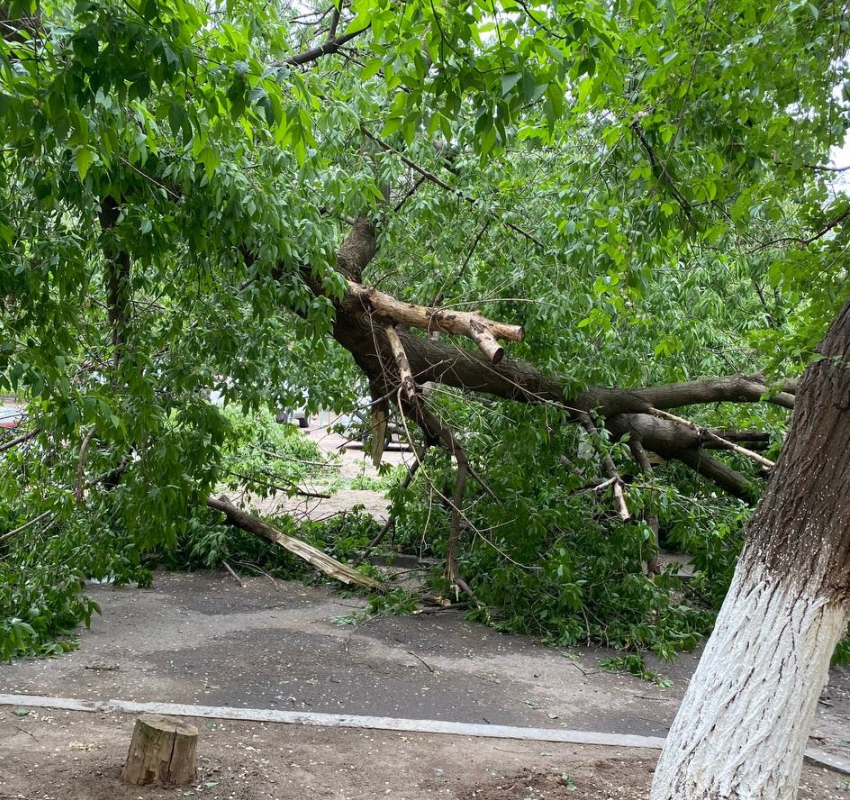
x=162, y=751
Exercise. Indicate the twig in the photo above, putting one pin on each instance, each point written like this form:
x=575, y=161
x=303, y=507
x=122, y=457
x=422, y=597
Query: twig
x=233, y=574
x=26, y=525
x=483, y=484
x=442, y=184
x=81, y=464
x=298, y=491
x=19, y=440
x=713, y=437
x=429, y=667
x=387, y=526
x=661, y=171
x=247, y=565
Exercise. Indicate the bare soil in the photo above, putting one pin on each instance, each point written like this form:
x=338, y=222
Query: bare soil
x=59, y=755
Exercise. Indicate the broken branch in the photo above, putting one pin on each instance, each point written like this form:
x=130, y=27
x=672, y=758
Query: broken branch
x=407, y=385
x=713, y=437
x=26, y=525
x=81, y=464
x=610, y=467
x=472, y=324
x=312, y=555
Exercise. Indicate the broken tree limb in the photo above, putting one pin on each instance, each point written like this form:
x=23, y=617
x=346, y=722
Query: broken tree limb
x=713, y=437
x=233, y=574
x=610, y=467
x=33, y=521
x=19, y=440
x=312, y=555
x=407, y=386
x=81, y=464
x=472, y=324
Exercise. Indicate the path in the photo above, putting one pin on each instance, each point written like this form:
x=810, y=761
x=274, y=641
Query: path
x=201, y=639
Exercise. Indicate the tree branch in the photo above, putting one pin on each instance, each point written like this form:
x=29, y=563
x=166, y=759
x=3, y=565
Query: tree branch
x=484, y=332
x=610, y=467
x=315, y=53
x=19, y=440
x=442, y=184
x=711, y=436
x=81, y=464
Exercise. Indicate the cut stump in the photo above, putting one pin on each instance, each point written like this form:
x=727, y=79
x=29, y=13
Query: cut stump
x=162, y=750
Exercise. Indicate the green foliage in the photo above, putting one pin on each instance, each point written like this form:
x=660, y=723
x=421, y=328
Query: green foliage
x=633, y=664
x=397, y=602
x=552, y=557
x=39, y=613
x=265, y=456
x=631, y=181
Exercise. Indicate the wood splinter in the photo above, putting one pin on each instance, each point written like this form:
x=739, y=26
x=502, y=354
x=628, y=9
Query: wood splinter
x=472, y=324
x=406, y=383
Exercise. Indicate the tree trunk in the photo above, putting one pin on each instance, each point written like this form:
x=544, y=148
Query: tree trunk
x=741, y=730
x=162, y=751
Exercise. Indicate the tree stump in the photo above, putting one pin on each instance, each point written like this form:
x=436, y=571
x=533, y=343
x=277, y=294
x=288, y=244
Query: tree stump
x=162, y=750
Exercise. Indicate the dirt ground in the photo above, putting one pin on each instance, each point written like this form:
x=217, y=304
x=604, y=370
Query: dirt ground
x=59, y=755
x=201, y=639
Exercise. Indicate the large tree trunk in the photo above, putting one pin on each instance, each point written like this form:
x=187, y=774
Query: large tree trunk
x=742, y=728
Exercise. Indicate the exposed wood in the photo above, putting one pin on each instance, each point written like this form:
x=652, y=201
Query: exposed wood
x=312, y=555
x=610, y=467
x=379, y=421
x=472, y=324
x=162, y=751
x=81, y=464
x=407, y=386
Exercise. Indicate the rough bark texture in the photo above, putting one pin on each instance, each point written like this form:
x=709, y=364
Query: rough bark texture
x=741, y=731
x=162, y=751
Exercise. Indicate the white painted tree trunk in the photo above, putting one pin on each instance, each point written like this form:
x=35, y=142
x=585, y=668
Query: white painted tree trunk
x=741, y=731
x=742, y=728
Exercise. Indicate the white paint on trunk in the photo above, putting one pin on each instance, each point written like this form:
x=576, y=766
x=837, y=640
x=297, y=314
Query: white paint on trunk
x=742, y=728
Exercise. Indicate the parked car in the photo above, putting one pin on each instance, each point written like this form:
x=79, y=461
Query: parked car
x=11, y=416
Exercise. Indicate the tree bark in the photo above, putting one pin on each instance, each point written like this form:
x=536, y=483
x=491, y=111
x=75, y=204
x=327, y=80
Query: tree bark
x=162, y=751
x=741, y=730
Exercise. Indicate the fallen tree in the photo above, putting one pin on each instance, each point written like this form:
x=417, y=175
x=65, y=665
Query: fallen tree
x=615, y=215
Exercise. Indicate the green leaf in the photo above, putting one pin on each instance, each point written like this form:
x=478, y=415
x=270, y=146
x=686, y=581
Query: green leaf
x=509, y=81
x=83, y=158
